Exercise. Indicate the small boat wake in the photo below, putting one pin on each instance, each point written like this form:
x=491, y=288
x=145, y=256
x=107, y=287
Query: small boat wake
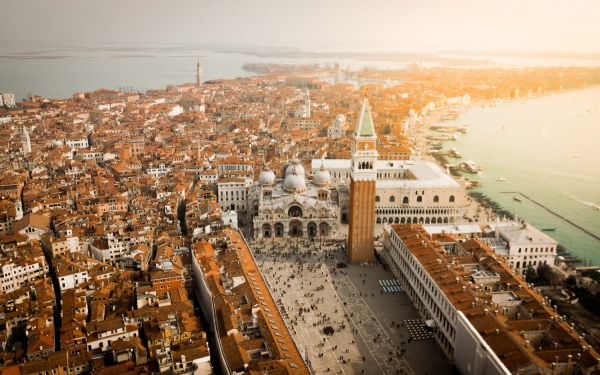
x=593, y=205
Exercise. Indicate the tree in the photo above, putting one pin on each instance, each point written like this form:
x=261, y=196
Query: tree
x=551, y=275
x=531, y=275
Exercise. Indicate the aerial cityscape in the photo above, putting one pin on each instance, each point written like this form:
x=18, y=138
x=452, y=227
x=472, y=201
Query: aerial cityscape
x=272, y=187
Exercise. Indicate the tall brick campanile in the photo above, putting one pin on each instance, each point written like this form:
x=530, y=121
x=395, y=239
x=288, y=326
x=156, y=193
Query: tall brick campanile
x=363, y=176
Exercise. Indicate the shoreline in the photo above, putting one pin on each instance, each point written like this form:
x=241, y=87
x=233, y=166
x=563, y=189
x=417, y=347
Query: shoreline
x=480, y=194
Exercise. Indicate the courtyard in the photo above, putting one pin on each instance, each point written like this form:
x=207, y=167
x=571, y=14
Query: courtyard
x=346, y=319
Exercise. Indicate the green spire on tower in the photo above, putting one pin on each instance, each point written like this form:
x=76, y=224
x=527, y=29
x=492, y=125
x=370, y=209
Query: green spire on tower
x=364, y=126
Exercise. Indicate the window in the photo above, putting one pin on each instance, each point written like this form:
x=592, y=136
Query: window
x=405, y=200
x=392, y=199
x=377, y=198
x=436, y=199
x=419, y=199
x=452, y=199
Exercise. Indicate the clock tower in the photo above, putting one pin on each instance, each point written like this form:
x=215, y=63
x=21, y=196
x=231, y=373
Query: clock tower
x=363, y=176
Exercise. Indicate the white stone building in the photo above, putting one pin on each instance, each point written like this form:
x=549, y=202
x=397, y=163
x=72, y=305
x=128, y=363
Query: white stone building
x=294, y=207
x=525, y=246
x=113, y=247
x=71, y=275
x=337, y=128
x=407, y=191
x=16, y=273
x=8, y=99
x=158, y=170
x=103, y=333
x=77, y=142
x=233, y=194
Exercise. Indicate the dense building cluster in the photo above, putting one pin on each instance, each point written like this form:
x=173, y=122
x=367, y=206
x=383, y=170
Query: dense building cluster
x=115, y=207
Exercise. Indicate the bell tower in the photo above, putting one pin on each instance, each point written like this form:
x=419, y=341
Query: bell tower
x=26, y=141
x=198, y=75
x=363, y=176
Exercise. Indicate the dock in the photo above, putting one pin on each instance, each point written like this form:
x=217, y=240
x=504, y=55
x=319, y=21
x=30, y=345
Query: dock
x=554, y=213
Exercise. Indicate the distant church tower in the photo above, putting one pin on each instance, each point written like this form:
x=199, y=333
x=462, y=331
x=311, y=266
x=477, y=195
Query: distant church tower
x=26, y=141
x=307, y=112
x=363, y=175
x=198, y=75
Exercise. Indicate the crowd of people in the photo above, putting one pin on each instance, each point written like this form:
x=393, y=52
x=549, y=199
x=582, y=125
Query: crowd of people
x=307, y=273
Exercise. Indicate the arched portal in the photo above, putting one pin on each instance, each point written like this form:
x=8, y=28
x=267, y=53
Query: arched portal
x=278, y=230
x=324, y=229
x=266, y=230
x=312, y=229
x=295, y=228
x=295, y=211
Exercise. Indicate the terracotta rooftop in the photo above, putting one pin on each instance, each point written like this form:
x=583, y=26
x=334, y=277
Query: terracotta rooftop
x=250, y=297
x=516, y=338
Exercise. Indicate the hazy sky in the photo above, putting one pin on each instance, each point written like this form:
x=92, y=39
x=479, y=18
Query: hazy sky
x=409, y=25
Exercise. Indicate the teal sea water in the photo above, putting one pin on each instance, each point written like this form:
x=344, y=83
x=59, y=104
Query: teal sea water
x=547, y=148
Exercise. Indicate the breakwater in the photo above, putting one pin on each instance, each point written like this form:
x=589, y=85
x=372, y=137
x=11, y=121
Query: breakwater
x=553, y=213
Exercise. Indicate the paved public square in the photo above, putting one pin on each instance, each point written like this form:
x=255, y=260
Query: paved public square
x=315, y=289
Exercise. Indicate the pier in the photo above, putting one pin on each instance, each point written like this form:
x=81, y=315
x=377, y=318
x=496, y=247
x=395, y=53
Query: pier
x=554, y=213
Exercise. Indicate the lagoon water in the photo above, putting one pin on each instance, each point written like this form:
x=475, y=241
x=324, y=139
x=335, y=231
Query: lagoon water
x=56, y=71
x=549, y=149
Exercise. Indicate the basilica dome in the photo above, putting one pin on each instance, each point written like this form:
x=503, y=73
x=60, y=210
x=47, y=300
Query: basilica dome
x=294, y=183
x=266, y=177
x=322, y=177
x=295, y=167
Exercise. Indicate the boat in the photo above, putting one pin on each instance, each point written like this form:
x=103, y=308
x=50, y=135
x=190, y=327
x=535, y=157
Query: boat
x=548, y=229
x=595, y=206
x=454, y=153
x=471, y=167
x=501, y=179
x=464, y=128
x=517, y=199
